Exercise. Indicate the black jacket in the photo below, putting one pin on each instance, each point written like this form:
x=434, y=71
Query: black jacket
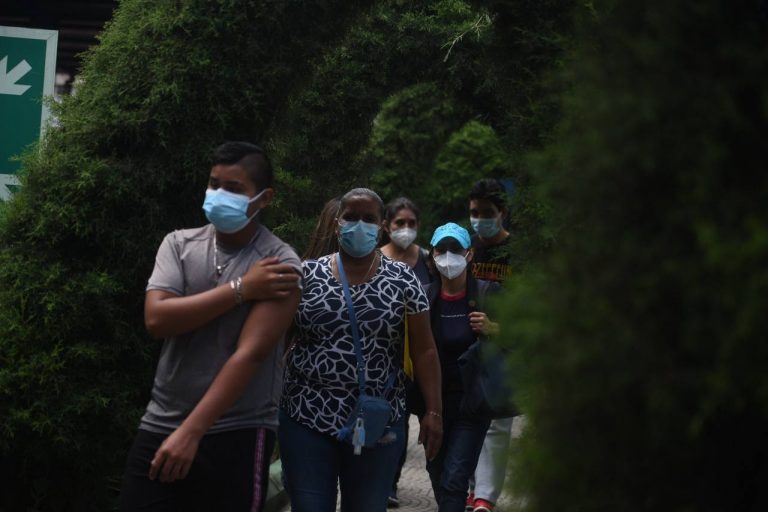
x=477, y=293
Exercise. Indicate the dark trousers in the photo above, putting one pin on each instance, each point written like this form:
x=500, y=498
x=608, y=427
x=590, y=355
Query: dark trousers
x=451, y=469
x=230, y=473
x=411, y=394
x=404, y=454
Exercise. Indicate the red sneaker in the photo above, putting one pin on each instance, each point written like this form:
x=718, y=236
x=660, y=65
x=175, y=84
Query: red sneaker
x=470, y=506
x=483, y=506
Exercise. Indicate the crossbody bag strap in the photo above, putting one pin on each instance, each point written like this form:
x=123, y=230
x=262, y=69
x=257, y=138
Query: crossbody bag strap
x=353, y=323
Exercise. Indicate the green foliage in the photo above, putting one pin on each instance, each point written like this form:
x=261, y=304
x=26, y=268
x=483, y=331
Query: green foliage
x=410, y=129
x=640, y=345
x=128, y=162
x=491, y=105
x=422, y=148
x=440, y=180
x=408, y=134
x=473, y=152
x=390, y=48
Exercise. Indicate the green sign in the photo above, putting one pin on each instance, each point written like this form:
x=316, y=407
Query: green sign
x=27, y=69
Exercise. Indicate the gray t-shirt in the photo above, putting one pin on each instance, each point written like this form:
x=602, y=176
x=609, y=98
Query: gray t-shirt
x=189, y=362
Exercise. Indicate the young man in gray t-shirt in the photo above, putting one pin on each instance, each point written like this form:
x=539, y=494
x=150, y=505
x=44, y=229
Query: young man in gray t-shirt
x=222, y=297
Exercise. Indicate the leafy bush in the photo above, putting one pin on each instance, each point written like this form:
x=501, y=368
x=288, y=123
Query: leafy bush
x=128, y=162
x=640, y=343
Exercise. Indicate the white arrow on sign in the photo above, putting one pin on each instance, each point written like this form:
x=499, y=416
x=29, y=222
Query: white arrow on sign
x=5, y=180
x=8, y=81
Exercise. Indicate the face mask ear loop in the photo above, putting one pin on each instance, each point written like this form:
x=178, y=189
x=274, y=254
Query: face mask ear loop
x=256, y=197
x=250, y=219
x=338, y=231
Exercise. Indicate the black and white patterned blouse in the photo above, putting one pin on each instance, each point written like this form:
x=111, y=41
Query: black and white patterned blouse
x=320, y=388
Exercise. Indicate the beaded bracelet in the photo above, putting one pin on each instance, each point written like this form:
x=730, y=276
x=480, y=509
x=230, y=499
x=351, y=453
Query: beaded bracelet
x=435, y=413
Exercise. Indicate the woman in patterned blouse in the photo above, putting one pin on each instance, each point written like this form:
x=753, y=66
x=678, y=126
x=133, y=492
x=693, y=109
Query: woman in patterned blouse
x=321, y=385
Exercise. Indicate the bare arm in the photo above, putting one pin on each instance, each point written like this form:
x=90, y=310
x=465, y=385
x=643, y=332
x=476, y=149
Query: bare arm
x=167, y=314
x=265, y=325
x=426, y=365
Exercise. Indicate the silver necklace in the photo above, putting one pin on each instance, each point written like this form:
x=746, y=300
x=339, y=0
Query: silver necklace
x=219, y=269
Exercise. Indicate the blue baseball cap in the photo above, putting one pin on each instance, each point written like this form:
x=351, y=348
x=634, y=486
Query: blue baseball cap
x=451, y=230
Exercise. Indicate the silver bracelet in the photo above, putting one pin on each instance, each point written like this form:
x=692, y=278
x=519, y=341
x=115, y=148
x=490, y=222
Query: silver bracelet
x=237, y=288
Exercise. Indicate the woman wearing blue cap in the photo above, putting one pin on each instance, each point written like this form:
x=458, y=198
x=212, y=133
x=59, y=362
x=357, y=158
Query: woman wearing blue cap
x=457, y=320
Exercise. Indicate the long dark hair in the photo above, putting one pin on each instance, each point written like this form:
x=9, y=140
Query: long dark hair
x=323, y=239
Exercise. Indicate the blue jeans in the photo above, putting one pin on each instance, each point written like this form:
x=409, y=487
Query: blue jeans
x=314, y=462
x=455, y=463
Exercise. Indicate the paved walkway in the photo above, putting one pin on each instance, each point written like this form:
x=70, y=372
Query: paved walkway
x=414, y=489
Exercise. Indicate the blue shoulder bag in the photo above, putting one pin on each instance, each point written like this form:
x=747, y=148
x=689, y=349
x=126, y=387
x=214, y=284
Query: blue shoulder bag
x=370, y=419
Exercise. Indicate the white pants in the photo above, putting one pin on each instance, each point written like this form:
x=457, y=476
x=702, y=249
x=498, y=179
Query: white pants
x=492, y=465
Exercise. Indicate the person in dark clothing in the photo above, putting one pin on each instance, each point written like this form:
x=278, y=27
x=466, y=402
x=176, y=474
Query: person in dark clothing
x=487, y=211
x=491, y=246
x=458, y=321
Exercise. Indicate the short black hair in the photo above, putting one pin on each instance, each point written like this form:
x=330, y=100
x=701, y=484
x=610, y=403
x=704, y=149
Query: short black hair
x=251, y=157
x=491, y=190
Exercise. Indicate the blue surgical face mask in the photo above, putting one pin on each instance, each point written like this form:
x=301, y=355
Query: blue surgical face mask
x=486, y=228
x=359, y=238
x=227, y=211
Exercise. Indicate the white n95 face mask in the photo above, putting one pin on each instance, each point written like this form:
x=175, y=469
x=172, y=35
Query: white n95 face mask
x=450, y=264
x=403, y=237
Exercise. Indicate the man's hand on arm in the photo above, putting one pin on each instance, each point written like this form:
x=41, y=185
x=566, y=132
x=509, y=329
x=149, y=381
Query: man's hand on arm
x=269, y=279
x=264, y=327
x=167, y=314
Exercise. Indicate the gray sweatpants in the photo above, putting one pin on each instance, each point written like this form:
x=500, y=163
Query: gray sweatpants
x=492, y=466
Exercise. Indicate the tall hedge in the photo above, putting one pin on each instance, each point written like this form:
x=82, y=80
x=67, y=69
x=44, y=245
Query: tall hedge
x=396, y=45
x=127, y=163
x=640, y=345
